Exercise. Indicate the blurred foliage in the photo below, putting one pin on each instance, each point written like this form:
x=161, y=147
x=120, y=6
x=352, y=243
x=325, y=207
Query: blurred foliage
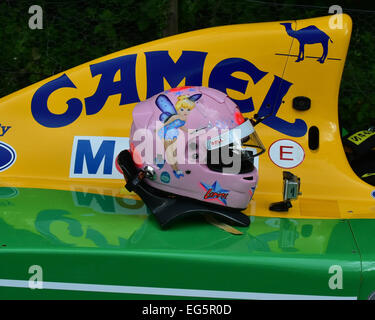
x=73, y=32
x=77, y=31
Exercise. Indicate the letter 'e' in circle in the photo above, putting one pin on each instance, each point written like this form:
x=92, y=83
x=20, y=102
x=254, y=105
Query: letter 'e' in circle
x=286, y=153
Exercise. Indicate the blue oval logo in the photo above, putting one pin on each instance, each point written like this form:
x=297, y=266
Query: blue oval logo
x=7, y=156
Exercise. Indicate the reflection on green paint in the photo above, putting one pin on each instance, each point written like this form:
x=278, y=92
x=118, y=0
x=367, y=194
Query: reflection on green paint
x=45, y=218
x=290, y=235
x=108, y=204
x=73, y=218
x=79, y=219
x=8, y=192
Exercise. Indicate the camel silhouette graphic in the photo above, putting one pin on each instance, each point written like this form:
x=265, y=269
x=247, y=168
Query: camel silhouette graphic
x=308, y=35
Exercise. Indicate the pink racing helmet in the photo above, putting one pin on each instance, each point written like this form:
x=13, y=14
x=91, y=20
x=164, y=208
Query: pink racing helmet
x=193, y=142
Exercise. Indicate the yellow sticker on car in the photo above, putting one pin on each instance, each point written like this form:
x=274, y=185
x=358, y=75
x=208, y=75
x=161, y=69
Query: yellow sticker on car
x=360, y=136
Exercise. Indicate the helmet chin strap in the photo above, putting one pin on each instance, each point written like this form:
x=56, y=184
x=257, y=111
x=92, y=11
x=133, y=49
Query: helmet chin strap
x=168, y=209
x=221, y=225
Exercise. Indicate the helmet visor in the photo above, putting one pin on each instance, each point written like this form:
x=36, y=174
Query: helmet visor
x=233, y=151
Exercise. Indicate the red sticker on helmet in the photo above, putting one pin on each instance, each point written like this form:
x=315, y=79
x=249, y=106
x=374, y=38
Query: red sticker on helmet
x=238, y=117
x=137, y=158
x=179, y=88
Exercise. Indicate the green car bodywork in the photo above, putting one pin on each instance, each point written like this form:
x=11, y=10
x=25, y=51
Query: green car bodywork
x=93, y=246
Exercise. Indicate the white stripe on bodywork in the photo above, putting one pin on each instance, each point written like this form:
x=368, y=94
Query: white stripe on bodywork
x=168, y=291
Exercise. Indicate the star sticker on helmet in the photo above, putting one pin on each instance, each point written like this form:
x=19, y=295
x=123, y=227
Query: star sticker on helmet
x=215, y=192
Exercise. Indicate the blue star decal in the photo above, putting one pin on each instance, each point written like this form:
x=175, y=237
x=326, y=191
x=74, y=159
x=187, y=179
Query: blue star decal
x=215, y=192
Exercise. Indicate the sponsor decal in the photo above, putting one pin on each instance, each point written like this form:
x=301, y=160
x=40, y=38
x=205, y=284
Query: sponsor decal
x=160, y=67
x=4, y=130
x=215, y=192
x=7, y=156
x=306, y=36
x=165, y=177
x=94, y=157
x=230, y=136
x=286, y=153
x=373, y=194
x=361, y=136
